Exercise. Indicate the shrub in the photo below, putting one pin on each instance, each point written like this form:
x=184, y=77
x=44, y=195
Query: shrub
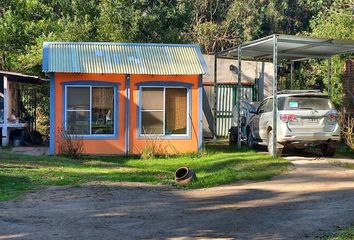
x=348, y=129
x=70, y=145
x=154, y=147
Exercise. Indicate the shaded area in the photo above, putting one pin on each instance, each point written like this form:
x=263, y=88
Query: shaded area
x=11, y=187
x=305, y=203
x=308, y=202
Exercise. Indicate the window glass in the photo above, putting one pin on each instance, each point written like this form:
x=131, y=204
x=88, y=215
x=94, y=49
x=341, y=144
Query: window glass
x=85, y=102
x=308, y=102
x=176, y=111
x=152, y=122
x=102, y=110
x=152, y=99
x=261, y=108
x=269, y=106
x=78, y=122
x=78, y=98
x=163, y=111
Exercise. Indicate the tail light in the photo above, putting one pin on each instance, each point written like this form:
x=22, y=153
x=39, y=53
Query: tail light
x=288, y=118
x=332, y=118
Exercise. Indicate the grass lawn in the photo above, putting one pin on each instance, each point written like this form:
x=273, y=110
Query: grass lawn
x=345, y=234
x=219, y=165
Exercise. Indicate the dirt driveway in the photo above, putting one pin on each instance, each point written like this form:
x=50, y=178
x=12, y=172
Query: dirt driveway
x=313, y=198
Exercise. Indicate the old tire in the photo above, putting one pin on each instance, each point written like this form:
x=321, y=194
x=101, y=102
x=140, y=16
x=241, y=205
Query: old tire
x=184, y=175
x=278, y=150
x=328, y=150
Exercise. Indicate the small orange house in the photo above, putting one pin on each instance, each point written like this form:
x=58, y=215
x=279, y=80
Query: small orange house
x=121, y=97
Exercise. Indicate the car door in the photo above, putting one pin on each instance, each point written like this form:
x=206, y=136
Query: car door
x=265, y=119
x=254, y=122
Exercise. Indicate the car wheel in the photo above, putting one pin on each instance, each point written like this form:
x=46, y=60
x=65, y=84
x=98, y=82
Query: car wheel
x=328, y=150
x=278, y=151
x=250, y=140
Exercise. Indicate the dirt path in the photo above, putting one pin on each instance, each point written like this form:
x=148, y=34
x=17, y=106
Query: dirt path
x=304, y=203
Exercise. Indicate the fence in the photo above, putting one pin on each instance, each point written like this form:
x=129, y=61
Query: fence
x=225, y=98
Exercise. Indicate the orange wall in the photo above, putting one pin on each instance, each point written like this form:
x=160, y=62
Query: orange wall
x=117, y=146
x=101, y=146
x=170, y=146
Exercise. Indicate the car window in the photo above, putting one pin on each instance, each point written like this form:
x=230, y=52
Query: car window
x=308, y=102
x=261, y=108
x=269, y=105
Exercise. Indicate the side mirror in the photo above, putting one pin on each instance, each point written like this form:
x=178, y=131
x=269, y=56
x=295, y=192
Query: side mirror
x=253, y=110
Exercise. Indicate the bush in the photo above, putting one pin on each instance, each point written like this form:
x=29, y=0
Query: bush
x=347, y=121
x=70, y=145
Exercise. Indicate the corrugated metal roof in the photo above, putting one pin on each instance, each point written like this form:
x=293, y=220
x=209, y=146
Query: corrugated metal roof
x=123, y=58
x=289, y=47
x=19, y=77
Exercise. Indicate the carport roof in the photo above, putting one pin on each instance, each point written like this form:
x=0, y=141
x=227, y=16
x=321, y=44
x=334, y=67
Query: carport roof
x=290, y=48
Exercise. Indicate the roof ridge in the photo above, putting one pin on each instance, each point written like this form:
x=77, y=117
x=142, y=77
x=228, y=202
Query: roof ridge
x=124, y=44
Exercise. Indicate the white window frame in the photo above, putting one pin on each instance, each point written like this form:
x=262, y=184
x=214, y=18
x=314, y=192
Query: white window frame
x=90, y=110
x=164, y=135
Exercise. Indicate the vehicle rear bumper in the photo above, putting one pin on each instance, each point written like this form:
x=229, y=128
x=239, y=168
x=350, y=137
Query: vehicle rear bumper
x=309, y=138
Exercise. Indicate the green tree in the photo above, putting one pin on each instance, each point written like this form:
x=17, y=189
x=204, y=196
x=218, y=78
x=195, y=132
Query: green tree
x=335, y=23
x=218, y=25
x=143, y=21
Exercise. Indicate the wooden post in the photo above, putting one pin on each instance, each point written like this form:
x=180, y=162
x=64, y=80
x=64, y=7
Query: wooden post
x=5, y=137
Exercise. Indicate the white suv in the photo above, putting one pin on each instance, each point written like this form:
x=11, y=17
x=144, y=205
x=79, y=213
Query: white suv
x=304, y=118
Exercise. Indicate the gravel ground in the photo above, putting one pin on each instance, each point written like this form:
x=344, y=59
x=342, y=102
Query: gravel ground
x=305, y=203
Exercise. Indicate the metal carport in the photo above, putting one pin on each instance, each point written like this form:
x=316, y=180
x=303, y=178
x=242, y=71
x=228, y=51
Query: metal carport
x=289, y=48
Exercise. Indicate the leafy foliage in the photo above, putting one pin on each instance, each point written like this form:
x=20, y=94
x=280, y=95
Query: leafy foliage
x=336, y=22
x=213, y=24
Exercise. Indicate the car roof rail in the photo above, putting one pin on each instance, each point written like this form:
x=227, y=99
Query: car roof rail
x=299, y=91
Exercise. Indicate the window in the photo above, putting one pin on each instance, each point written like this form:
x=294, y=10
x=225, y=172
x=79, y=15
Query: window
x=262, y=107
x=90, y=110
x=164, y=111
x=269, y=106
x=308, y=102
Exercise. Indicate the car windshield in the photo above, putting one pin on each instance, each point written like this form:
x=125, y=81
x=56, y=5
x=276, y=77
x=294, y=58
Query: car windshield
x=305, y=102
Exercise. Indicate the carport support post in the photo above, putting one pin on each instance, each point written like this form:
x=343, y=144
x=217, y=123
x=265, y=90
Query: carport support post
x=239, y=98
x=215, y=95
x=261, y=83
x=329, y=77
x=291, y=74
x=275, y=102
